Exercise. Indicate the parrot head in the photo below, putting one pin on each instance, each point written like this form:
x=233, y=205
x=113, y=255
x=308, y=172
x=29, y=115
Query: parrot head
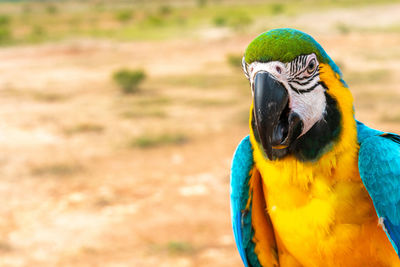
x=297, y=92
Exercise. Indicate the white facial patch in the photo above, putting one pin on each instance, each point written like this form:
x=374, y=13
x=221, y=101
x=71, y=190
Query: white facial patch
x=310, y=106
x=275, y=68
x=301, y=80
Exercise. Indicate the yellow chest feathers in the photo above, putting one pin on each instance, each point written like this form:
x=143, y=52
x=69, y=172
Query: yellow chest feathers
x=304, y=204
x=299, y=196
x=324, y=219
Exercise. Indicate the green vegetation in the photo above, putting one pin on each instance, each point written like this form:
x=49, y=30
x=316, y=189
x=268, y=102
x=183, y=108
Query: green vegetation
x=153, y=100
x=219, y=21
x=343, y=28
x=147, y=141
x=51, y=9
x=165, y=10
x=124, y=15
x=173, y=248
x=144, y=113
x=201, y=3
x=37, y=32
x=128, y=80
x=57, y=169
x=4, y=20
x=87, y=127
x=234, y=60
x=179, y=247
x=277, y=8
x=48, y=96
x=237, y=20
x=5, y=31
x=240, y=21
x=41, y=21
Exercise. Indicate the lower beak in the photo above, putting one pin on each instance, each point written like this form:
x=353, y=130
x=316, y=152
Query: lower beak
x=277, y=127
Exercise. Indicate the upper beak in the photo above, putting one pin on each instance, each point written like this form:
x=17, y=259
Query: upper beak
x=276, y=125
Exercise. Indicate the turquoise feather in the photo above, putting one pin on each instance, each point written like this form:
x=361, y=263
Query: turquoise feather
x=242, y=164
x=379, y=166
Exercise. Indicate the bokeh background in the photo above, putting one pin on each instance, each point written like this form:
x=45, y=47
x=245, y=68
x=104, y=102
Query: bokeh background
x=118, y=119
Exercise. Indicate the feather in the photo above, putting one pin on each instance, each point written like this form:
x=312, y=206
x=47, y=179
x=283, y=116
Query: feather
x=379, y=166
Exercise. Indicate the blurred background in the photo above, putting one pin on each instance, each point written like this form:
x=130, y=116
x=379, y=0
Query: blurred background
x=119, y=119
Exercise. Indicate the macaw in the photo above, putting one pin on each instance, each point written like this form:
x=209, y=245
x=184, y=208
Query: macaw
x=310, y=185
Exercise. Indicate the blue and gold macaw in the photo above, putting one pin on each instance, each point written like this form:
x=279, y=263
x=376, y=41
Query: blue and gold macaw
x=310, y=185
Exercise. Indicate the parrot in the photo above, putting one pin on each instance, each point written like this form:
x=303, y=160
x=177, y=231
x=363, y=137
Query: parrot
x=310, y=185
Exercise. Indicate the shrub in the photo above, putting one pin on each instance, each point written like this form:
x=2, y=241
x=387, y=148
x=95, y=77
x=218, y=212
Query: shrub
x=220, y=21
x=277, y=9
x=128, y=80
x=201, y=3
x=155, y=20
x=234, y=60
x=164, y=10
x=51, y=9
x=4, y=20
x=123, y=15
x=236, y=20
x=86, y=127
x=147, y=141
x=343, y=28
x=37, y=32
x=61, y=169
x=240, y=21
x=5, y=35
x=5, y=32
x=179, y=247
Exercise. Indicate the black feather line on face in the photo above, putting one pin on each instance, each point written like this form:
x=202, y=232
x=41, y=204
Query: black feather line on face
x=323, y=85
x=309, y=79
x=304, y=62
x=298, y=64
x=302, y=91
x=291, y=69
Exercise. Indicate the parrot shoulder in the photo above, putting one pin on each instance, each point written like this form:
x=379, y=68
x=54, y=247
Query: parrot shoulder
x=379, y=166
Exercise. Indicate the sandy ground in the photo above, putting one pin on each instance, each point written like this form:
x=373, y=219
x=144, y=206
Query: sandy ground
x=76, y=193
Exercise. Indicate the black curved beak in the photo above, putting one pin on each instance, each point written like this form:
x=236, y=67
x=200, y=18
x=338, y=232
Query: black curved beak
x=276, y=125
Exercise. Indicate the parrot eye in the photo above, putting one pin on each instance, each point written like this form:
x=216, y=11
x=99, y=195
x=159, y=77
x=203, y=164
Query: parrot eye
x=278, y=69
x=311, y=66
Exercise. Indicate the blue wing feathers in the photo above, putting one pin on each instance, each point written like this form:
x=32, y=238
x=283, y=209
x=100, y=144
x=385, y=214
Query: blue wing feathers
x=393, y=137
x=242, y=164
x=379, y=166
x=364, y=132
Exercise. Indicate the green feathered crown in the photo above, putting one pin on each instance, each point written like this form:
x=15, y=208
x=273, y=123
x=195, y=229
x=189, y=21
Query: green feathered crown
x=285, y=45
